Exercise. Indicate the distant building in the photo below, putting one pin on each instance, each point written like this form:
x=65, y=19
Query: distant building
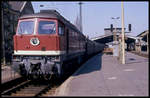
x=143, y=35
x=11, y=11
x=142, y=42
x=24, y=7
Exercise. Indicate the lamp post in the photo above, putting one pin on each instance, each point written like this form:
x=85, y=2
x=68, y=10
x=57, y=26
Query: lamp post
x=115, y=41
x=115, y=32
x=80, y=3
x=123, y=35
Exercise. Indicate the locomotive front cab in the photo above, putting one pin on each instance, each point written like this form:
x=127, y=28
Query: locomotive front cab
x=36, y=47
x=35, y=35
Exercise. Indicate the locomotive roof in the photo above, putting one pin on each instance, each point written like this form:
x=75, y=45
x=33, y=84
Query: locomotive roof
x=50, y=14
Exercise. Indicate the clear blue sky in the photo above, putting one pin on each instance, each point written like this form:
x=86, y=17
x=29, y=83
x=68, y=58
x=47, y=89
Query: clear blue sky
x=97, y=15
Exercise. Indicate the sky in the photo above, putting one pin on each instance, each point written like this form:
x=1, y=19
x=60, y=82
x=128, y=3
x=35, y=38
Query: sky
x=97, y=15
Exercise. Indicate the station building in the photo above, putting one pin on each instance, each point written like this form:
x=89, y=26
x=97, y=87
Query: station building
x=11, y=11
x=142, y=42
x=137, y=43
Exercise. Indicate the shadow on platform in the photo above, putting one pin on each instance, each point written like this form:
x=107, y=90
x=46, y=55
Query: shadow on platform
x=93, y=64
x=133, y=60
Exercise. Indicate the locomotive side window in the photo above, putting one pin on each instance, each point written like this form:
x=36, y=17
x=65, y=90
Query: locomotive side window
x=60, y=29
x=26, y=27
x=47, y=27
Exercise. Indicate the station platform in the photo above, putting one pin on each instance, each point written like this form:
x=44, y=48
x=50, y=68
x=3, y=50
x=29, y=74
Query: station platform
x=103, y=75
x=7, y=74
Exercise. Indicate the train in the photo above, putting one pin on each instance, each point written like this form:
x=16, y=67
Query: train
x=45, y=41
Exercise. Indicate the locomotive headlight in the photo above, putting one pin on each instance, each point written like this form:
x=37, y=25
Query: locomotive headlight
x=34, y=41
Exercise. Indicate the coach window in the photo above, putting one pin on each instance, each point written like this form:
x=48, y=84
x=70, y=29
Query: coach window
x=47, y=27
x=26, y=27
x=61, y=29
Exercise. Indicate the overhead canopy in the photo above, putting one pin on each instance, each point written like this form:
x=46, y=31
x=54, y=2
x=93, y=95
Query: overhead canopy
x=109, y=38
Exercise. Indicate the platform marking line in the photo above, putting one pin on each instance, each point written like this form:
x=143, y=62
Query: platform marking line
x=128, y=70
x=126, y=95
x=112, y=78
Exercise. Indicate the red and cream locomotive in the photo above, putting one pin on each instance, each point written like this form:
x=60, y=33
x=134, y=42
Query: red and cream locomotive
x=45, y=40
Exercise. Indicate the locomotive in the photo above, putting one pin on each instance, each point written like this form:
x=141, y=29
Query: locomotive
x=44, y=41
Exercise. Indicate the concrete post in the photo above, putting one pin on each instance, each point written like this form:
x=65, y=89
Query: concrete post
x=80, y=3
x=139, y=49
x=123, y=41
x=119, y=57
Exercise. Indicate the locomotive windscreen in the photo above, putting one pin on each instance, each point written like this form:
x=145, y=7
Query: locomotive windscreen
x=26, y=27
x=47, y=27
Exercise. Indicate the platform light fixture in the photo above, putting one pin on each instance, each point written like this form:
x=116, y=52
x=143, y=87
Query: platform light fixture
x=115, y=32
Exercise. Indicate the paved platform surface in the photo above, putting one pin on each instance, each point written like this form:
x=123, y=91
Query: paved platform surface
x=103, y=75
x=7, y=74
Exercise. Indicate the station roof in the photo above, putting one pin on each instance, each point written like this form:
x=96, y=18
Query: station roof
x=17, y=5
x=109, y=38
x=114, y=28
x=143, y=33
x=20, y=5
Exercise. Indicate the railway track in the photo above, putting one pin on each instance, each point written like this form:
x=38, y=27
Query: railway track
x=35, y=88
x=8, y=85
x=31, y=89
